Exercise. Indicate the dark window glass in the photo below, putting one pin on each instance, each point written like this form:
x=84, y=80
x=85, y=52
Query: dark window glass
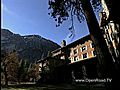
x=83, y=48
x=75, y=58
x=92, y=44
x=94, y=53
x=75, y=51
x=85, y=55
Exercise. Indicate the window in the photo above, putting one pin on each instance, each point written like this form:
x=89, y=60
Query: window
x=75, y=51
x=92, y=45
x=84, y=55
x=94, y=53
x=84, y=48
x=62, y=57
x=75, y=58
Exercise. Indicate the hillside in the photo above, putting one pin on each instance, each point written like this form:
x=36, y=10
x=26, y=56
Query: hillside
x=29, y=47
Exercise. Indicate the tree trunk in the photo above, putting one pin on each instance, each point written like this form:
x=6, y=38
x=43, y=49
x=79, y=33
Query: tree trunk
x=6, y=76
x=103, y=55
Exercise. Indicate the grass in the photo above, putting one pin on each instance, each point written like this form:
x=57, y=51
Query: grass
x=52, y=87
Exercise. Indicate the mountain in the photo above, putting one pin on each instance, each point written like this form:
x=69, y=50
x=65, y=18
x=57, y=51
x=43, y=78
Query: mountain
x=29, y=47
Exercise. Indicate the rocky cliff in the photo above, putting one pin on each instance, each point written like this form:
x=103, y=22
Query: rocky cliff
x=29, y=47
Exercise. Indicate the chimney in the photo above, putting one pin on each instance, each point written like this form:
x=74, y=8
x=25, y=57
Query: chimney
x=63, y=43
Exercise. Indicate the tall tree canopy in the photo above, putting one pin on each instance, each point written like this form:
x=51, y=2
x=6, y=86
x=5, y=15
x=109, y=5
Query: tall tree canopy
x=61, y=10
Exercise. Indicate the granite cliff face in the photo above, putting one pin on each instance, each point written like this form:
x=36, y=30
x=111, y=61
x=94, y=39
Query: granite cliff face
x=29, y=47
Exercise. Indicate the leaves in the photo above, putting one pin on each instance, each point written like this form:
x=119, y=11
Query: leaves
x=16, y=70
x=60, y=10
x=10, y=65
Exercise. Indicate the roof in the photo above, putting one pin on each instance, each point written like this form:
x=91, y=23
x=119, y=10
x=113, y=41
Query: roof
x=46, y=58
x=81, y=40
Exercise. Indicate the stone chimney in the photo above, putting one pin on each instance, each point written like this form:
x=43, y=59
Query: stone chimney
x=63, y=43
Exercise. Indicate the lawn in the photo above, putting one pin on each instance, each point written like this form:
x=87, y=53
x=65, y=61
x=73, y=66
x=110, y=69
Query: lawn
x=52, y=87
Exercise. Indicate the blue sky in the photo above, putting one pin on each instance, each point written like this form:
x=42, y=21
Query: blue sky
x=26, y=17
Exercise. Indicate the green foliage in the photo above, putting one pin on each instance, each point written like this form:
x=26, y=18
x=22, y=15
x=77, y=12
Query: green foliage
x=24, y=71
x=61, y=10
x=9, y=65
x=15, y=70
x=21, y=71
x=33, y=72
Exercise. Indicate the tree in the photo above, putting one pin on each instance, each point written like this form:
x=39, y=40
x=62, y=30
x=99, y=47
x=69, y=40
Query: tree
x=33, y=72
x=23, y=71
x=3, y=54
x=10, y=64
x=112, y=6
x=63, y=9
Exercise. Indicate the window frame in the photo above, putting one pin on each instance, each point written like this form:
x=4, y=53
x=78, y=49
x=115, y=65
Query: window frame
x=76, y=58
x=84, y=54
x=75, y=51
x=94, y=54
x=92, y=45
x=85, y=46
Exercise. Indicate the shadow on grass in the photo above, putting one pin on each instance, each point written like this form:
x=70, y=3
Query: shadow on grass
x=51, y=87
